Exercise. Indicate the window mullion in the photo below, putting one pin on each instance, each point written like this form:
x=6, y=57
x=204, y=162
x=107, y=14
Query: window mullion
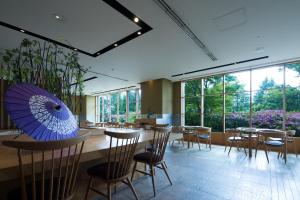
x=284, y=99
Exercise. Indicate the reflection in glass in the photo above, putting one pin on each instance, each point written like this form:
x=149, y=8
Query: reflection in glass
x=267, y=78
x=122, y=103
x=215, y=121
x=238, y=102
x=234, y=120
x=114, y=103
x=237, y=82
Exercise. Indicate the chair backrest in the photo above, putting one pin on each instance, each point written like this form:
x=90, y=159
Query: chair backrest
x=129, y=125
x=121, y=151
x=291, y=133
x=203, y=130
x=159, y=143
x=231, y=132
x=57, y=159
x=161, y=125
x=177, y=129
x=269, y=133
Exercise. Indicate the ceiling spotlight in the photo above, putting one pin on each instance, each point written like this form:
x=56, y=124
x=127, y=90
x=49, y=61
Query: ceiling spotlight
x=139, y=33
x=58, y=17
x=115, y=45
x=136, y=20
x=22, y=31
x=75, y=49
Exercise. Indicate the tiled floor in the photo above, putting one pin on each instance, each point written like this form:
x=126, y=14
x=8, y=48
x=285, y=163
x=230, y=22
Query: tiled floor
x=214, y=175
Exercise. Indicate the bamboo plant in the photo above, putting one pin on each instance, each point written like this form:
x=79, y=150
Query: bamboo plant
x=48, y=66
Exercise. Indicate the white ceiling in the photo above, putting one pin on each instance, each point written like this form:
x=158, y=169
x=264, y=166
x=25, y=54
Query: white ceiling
x=231, y=29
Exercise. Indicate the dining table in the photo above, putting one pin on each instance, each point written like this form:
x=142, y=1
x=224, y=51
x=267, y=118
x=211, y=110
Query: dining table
x=95, y=148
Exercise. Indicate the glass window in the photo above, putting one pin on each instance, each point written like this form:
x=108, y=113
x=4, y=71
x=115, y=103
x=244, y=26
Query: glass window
x=192, y=111
x=292, y=96
x=214, y=120
x=234, y=120
x=267, y=78
x=114, y=103
x=267, y=102
x=261, y=88
x=122, y=103
x=192, y=88
x=237, y=102
x=213, y=85
x=237, y=82
x=106, y=108
x=132, y=101
x=113, y=107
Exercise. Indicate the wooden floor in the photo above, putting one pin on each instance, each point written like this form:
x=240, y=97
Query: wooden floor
x=214, y=175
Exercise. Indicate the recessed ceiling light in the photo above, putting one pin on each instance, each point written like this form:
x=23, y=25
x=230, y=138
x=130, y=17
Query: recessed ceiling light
x=58, y=17
x=136, y=19
x=115, y=45
x=139, y=33
x=259, y=49
x=22, y=31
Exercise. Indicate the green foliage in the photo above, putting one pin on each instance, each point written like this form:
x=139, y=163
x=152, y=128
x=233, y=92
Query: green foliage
x=45, y=65
x=268, y=99
x=293, y=66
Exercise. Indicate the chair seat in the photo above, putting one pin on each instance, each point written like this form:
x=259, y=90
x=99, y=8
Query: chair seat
x=232, y=138
x=246, y=136
x=101, y=170
x=275, y=139
x=203, y=136
x=146, y=157
x=274, y=143
x=151, y=148
x=16, y=194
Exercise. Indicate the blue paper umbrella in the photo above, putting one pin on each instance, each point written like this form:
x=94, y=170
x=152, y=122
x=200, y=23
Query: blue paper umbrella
x=39, y=114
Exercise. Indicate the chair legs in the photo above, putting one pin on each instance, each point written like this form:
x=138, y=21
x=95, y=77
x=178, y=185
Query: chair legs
x=225, y=147
x=88, y=188
x=109, y=191
x=152, y=176
x=134, y=168
x=229, y=149
x=238, y=144
x=109, y=188
x=132, y=188
x=162, y=166
x=165, y=164
x=165, y=170
x=198, y=141
x=208, y=143
x=266, y=152
x=179, y=140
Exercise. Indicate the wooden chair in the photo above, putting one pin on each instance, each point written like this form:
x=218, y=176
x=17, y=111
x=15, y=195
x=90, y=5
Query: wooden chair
x=129, y=125
x=51, y=166
x=116, y=169
x=161, y=125
x=290, y=134
x=233, y=137
x=177, y=130
x=155, y=156
x=113, y=124
x=275, y=139
x=203, y=134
